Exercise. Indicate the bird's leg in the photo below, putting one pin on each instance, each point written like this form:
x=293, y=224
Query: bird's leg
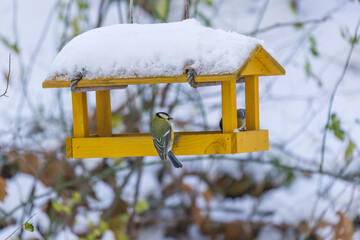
x=176, y=139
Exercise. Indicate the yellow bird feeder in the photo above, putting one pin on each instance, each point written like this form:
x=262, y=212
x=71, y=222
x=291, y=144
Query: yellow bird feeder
x=106, y=144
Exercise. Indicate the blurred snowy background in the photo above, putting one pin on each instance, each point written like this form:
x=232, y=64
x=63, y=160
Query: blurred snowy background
x=305, y=187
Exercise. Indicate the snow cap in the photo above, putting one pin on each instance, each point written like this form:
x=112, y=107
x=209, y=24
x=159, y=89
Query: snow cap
x=152, y=50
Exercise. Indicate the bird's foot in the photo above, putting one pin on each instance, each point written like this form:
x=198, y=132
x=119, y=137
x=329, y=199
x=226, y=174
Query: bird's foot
x=176, y=139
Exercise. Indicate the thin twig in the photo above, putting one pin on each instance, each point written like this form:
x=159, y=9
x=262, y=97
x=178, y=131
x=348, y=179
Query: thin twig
x=7, y=78
x=287, y=24
x=100, y=15
x=20, y=226
x=131, y=226
x=350, y=179
x=334, y=93
x=260, y=17
x=131, y=11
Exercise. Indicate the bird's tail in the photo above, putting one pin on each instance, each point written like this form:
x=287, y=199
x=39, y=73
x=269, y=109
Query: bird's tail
x=174, y=161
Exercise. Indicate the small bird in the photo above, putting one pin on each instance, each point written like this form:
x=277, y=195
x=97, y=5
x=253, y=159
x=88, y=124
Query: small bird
x=163, y=137
x=241, y=120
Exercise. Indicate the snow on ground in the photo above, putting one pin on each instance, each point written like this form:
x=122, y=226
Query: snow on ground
x=151, y=50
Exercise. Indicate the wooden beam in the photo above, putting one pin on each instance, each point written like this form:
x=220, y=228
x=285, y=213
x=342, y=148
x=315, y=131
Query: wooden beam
x=229, y=115
x=54, y=83
x=80, y=114
x=252, y=102
x=103, y=113
x=188, y=143
x=253, y=141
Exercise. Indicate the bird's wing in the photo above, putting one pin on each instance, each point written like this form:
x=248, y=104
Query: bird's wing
x=162, y=143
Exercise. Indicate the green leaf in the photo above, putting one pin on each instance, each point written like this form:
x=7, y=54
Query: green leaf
x=276, y=161
x=311, y=74
x=162, y=10
x=293, y=6
x=354, y=40
x=313, y=47
x=349, y=150
x=116, y=120
x=97, y=232
x=67, y=210
x=103, y=225
x=205, y=19
x=208, y=2
x=57, y=206
x=124, y=218
x=308, y=69
x=76, y=198
x=124, y=237
x=141, y=206
x=11, y=46
x=290, y=177
x=298, y=25
x=334, y=126
x=29, y=227
x=340, y=134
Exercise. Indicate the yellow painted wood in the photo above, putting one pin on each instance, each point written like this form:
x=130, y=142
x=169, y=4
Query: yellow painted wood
x=68, y=148
x=252, y=102
x=256, y=67
x=80, y=114
x=268, y=67
x=103, y=113
x=274, y=67
x=53, y=83
x=228, y=97
x=259, y=62
x=189, y=143
x=253, y=141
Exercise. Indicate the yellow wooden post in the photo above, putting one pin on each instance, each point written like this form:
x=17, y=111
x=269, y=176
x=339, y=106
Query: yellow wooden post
x=228, y=94
x=103, y=113
x=252, y=102
x=80, y=114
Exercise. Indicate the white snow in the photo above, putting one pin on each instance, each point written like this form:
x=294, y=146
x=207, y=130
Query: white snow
x=151, y=50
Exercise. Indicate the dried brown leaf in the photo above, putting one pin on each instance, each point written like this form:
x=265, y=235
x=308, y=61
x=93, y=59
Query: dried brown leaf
x=208, y=195
x=344, y=229
x=3, y=191
x=51, y=173
x=185, y=187
x=29, y=163
x=236, y=230
x=197, y=215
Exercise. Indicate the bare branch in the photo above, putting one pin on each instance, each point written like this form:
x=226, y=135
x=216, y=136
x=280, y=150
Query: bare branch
x=131, y=224
x=100, y=14
x=287, y=24
x=334, y=93
x=7, y=78
x=20, y=226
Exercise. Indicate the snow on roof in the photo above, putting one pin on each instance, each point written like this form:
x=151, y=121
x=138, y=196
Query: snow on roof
x=152, y=50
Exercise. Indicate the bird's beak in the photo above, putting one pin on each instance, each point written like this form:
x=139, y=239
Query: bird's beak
x=170, y=118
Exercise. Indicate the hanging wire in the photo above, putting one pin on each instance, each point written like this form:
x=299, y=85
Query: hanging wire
x=187, y=9
x=131, y=11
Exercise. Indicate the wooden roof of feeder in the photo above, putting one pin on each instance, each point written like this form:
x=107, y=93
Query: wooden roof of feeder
x=158, y=53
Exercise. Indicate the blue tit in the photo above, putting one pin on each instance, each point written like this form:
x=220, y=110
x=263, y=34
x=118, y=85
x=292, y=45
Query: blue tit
x=241, y=120
x=163, y=137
